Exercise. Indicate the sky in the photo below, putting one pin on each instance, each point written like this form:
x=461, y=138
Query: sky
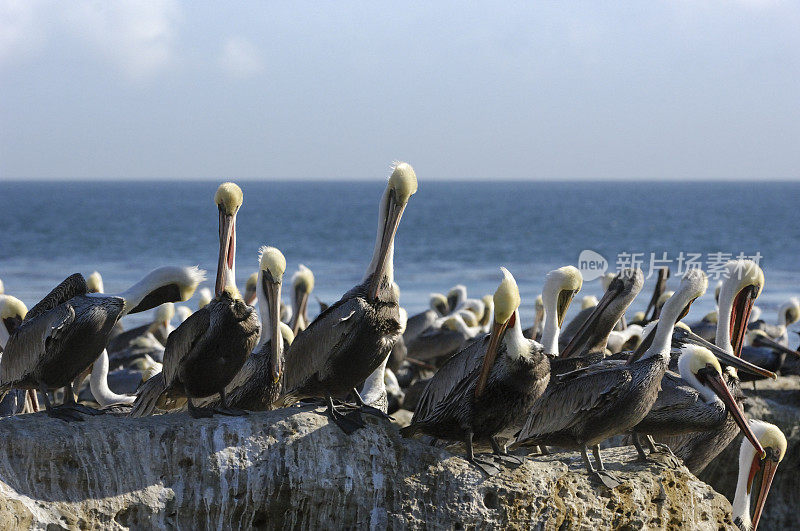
x=682, y=89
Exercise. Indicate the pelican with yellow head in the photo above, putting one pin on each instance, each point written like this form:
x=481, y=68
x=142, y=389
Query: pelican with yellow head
x=560, y=287
x=486, y=389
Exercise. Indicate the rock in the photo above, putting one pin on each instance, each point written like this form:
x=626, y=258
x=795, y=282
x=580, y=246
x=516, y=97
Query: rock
x=778, y=402
x=292, y=469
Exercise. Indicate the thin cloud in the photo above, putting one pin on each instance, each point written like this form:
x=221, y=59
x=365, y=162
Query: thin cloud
x=240, y=58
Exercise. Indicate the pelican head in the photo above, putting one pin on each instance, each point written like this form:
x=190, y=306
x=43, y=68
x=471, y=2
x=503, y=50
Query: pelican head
x=740, y=289
x=439, y=304
x=456, y=296
x=271, y=267
x=701, y=369
x=165, y=313
x=250, y=289
x=401, y=186
x=228, y=199
x=621, y=291
x=183, y=312
x=12, y=313
x=302, y=284
x=203, y=298
x=588, y=301
x=162, y=285
x=560, y=286
x=94, y=284
x=789, y=312
x=751, y=462
x=506, y=302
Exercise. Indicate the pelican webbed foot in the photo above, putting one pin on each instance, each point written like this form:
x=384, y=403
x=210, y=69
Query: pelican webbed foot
x=662, y=448
x=502, y=455
x=67, y=414
x=606, y=478
x=349, y=422
x=199, y=412
x=226, y=409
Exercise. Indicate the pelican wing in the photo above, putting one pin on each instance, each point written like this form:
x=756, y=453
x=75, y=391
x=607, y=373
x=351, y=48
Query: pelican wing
x=451, y=381
x=28, y=345
x=182, y=340
x=566, y=403
x=331, y=332
x=435, y=343
x=675, y=396
x=72, y=286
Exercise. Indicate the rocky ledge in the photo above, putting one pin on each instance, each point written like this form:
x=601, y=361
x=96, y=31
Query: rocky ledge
x=291, y=468
x=777, y=402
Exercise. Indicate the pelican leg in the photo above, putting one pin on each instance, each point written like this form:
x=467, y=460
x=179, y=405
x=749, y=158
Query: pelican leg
x=199, y=412
x=349, y=422
x=369, y=409
x=606, y=478
x=34, y=400
x=661, y=448
x=487, y=467
x=225, y=409
x=60, y=412
x=70, y=403
x=501, y=454
x=639, y=449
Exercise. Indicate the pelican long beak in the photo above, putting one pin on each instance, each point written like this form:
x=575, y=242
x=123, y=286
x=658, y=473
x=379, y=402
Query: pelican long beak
x=227, y=251
x=768, y=466
x=498, y=330
x=684, y=337
x=763, y=341
x=300, y=312
x=718, y=385
x=394, y=211
x=742, y=306
x=564, y=300
x=273, y=291
x=587, y=328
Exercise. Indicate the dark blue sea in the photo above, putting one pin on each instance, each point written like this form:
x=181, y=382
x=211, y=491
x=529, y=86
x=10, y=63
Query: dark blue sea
x=450, y=233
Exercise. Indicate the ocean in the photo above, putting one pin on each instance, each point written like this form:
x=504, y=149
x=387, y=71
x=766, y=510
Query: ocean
x=451, y=233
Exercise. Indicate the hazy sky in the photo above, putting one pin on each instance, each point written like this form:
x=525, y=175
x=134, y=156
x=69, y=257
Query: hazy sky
x=288, y=90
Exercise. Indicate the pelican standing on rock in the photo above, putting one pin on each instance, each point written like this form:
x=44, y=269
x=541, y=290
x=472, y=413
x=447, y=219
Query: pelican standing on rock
x=206, y=351
x=487, y=386
x=65, y=333
x=742, y=285
x=350, y=339
x=589, y=405
x=258, y=384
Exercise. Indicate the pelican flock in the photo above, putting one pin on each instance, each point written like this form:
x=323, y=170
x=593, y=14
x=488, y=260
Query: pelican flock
x=464, y=367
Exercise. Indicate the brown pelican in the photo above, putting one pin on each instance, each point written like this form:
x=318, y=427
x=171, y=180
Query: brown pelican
x=206, y=351
x=258, y=384
x=535, y=331
x=12, y=313
x=487, y=386
x=587, y=406
x=350, y=339
x=65, y=333
x=762, y=350
x=418, y=323
x=560, y=286
x=788, y=313
x=250, y=289
x=446, y=337
x=697, y=400
x=302, y=286
x=743, y=283
x=750, y=464
x=588, y=345
x=456, y=297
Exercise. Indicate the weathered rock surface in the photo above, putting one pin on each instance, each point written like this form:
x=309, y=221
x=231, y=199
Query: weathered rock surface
x=291, y=468
x=778, y=402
